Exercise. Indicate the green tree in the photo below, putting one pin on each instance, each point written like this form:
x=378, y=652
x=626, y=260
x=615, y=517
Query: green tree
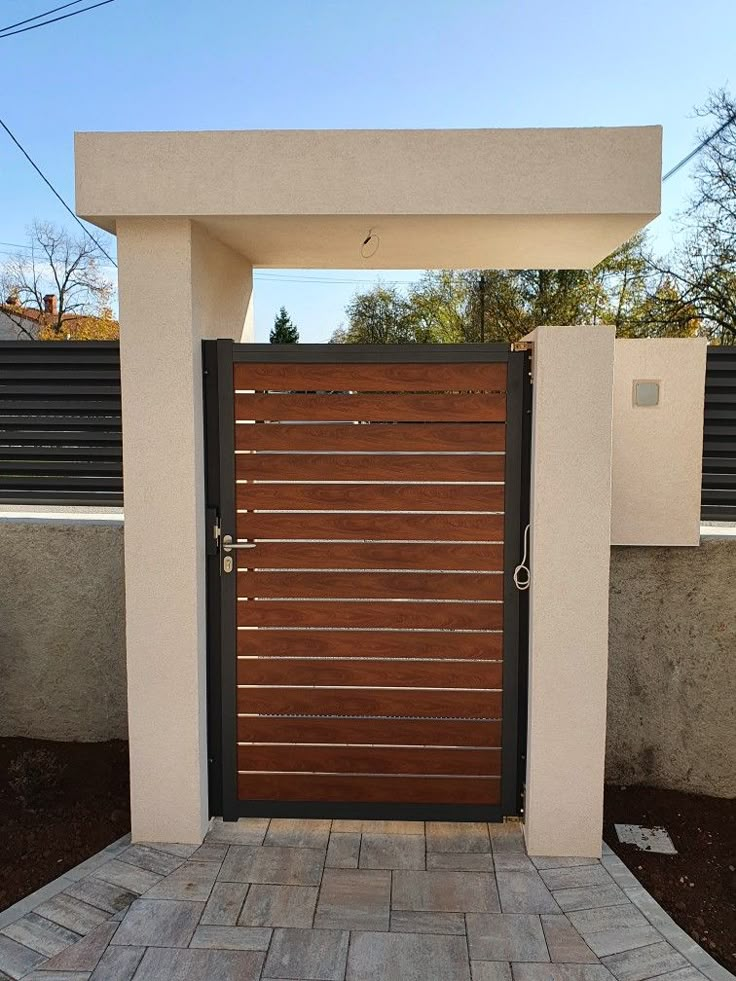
x=382, y=315
x=284, y=330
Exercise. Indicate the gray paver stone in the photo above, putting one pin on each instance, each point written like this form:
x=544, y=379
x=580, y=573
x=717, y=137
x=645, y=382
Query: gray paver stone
x=40, y=934
x=314, y=954
x=490, y=971
x=118, y=964
x=460, y=861
x=343, y=851
x=445, y=892
x=354, y=900
x=246, y=831
x=644, y=962
x=159, y=923
x=450, y=836
x=506, y=937
x=561, y=972
x=200, y=965
x=392, y=852
x=408, y=956
x=565, y=944
x=524, y=892
x=192, y=881
x=17, y=960
x=225, y=903
x=405, y=921
x=103, y=895
x=72, y=913
x=84, y=955
x=231, y=938
x=279, y=906
x=298, y=832
x=275, y=865
x=590, y=897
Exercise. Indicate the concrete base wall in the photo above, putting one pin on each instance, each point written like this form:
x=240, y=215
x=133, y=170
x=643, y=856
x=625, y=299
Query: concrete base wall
x=672, y=668
x=62, y=631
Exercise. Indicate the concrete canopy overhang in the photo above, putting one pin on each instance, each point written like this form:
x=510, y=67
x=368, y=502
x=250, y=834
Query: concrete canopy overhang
x=513, y=198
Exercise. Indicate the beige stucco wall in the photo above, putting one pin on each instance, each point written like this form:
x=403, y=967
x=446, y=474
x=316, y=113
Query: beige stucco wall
x=658, y=450
x=177, y=286
x=568, y=604
x=515, y=198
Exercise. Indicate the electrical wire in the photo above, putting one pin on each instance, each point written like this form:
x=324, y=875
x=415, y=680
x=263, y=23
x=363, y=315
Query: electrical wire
x=53, y=190
x=18, y=23
x=53, y=20
x=701, y=146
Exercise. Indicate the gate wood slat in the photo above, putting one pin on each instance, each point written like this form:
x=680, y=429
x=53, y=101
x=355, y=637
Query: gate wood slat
x=455, y=407
x=375, y=436
x=370, y=613
x=405, y=467
x=370, y=759
x=364, y=377
x=347, y=643
x=404, y=732
x=384, y=702
x=370, y=497
x=376, y=674
x=381, y=585
x=391, y=790
x=374, y=555
x=377, y=527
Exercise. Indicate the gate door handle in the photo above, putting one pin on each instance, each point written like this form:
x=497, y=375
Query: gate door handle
x=228, y=544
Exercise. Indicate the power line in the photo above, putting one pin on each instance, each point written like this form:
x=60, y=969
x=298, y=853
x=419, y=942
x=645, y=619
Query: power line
x=53, y=190
x=53, y=20
x=701, y=146
x=28, y=20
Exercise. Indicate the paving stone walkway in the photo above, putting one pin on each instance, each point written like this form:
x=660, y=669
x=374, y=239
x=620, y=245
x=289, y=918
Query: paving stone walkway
x=321, y=900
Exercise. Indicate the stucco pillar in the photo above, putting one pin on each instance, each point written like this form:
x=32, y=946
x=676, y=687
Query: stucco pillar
x=177, y=286
x=570, y=554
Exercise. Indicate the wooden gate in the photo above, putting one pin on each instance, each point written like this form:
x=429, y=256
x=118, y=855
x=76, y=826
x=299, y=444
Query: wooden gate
x=364, y=626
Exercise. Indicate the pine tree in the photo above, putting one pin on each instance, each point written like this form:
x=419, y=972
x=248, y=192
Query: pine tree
x=284, y=331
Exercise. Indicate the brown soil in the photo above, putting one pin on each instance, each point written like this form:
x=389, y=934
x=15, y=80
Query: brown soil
x=697, y=887
x=77, y=804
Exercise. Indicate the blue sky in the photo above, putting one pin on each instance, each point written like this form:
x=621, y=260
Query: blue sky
x=181, y=64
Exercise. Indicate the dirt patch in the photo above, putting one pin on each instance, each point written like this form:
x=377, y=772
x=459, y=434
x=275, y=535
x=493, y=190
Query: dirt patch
x=61, y=803
x=697, y=887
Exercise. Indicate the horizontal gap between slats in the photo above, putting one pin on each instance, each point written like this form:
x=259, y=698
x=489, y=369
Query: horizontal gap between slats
x=368, y=452
x=388, y=660
x=338, y=774
x=361, y=599
x=376, y=688
x=374, y=483
x=480, y=749
x=368, y=572
x=396, y=630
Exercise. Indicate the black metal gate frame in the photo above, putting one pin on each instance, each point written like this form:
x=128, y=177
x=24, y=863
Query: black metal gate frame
x=219, y=357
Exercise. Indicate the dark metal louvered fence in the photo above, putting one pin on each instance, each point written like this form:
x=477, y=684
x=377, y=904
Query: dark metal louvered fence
x=60, y=423
x=718, y=502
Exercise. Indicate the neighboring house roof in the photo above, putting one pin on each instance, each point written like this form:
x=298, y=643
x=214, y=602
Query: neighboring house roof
x=10, y=315
x=31, y=321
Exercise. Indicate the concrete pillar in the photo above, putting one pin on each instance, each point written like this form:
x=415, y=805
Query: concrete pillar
x=570, y=553
x=177, y=286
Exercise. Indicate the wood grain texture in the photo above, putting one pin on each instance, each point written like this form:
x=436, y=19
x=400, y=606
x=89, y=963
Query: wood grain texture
x=371, y=759
x=394, y=790
x=366, y=527
x=453, y=407
x=366, y=377
x=404, y=732
x=376, y=437
x=377, y=585
x=384, y=643
x=411, y=703
x=371, y=613
x=354, y=466
x=370, y=497
x=373, y=555
x=370, y=674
